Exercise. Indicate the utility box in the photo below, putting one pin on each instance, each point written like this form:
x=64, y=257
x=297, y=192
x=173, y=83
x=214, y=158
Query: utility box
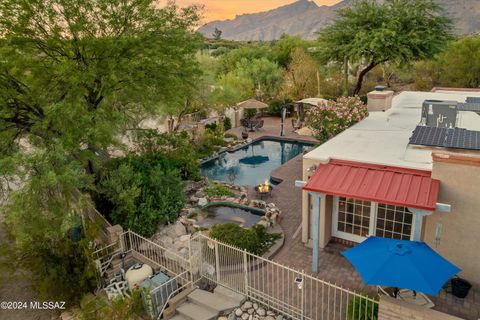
x=439, y=113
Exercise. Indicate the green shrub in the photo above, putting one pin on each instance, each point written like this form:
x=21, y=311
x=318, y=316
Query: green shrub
x=230, y=135
x=249, y=113
x=211, y=126
x=139, y=192
x=361, y=308
x=255, y=240
x=275, y=107
x=218, y=190
x=227, y=124
x=208, y=143
x=62, y=271
x=176, y=149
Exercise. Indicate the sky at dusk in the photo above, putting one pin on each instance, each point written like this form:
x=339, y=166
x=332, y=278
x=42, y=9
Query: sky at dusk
x=228, y=9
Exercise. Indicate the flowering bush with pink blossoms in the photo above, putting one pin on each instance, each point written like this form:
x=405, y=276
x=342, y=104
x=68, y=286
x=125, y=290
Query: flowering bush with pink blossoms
x=332, y=118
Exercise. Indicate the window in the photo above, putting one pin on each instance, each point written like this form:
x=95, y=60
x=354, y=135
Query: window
x=355, y=220
x=354, y=216
x=393, y=222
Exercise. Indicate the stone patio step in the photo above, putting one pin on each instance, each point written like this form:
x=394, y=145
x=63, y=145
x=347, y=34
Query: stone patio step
x=232, y=295
x=192, y=311
x=214, y=301
x=178, y=317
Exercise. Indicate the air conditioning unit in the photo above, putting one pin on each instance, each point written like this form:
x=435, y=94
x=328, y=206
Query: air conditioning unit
x=439, y=113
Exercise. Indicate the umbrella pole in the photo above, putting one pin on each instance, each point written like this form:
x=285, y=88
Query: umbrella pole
x=395, y=293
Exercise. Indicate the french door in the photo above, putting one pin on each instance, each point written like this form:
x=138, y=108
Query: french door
x=355, y=220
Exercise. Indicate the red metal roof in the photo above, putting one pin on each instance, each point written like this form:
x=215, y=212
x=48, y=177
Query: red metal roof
x=391, y=185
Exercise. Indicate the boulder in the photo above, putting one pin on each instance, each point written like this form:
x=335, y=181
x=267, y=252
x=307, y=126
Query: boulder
x=261, y=312
x=180, y=229
x=279, y=317
x=270, y=313
x=238, y=312
x=185, y=238
x=247, y=305
x=166, y=241
x=258, y=204
x=231, y=316
x=250, y=311
x=183, y=252
x=245, y=316
x=202, y=201
x=222, y=318
x=255, y=306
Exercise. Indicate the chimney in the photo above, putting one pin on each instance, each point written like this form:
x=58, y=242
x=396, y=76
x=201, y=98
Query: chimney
x=379, y=99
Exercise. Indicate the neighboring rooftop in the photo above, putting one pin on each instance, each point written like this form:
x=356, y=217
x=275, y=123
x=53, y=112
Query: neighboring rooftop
x=383, y=137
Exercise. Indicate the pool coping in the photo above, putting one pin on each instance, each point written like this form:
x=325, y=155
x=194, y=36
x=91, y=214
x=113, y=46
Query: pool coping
x=243, y=145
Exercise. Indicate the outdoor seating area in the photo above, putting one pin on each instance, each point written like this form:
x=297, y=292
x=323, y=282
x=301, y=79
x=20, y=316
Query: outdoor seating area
x=252, y=124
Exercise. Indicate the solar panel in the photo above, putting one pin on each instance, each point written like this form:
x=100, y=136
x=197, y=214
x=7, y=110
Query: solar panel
x=473, y=100
x=469, y=106
x=428, y=136
x=443, y=137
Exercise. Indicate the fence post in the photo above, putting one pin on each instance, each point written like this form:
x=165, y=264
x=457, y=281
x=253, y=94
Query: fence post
x=190, y=258
x=130, y=239
x=217, y=262
x=302, y=316
x=245, y=269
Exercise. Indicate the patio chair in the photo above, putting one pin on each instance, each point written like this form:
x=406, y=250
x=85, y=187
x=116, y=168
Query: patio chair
x=259, y=125
x=296, y=124
x=410, y=296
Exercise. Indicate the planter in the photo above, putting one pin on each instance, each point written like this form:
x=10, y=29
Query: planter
x=460, y=287
x=244, y=135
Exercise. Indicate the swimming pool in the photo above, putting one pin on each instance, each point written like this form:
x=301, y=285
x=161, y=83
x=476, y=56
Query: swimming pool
x=252, y=164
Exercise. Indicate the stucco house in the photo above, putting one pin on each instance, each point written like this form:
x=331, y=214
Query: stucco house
x=376, y=178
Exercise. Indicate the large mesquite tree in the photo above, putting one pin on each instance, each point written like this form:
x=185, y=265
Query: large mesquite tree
x=74, y=76
x=397, y=31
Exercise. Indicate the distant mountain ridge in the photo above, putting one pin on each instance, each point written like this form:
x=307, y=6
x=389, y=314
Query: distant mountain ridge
x=304, y=18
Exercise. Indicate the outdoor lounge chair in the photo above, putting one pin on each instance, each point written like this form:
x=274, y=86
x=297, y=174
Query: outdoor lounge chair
x=410, y=296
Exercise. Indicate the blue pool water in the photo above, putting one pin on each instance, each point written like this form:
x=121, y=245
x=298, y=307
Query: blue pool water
x=253, y=163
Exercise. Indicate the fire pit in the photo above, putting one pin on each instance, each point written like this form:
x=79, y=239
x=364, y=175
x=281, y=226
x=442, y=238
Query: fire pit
x=264, y=189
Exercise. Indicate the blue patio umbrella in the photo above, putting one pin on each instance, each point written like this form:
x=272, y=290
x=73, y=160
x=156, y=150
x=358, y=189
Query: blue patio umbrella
x=401, y=264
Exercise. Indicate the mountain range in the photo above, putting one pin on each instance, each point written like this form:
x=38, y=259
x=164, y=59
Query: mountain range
x=304, y=18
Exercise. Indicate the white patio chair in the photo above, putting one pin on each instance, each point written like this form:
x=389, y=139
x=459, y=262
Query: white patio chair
x=418, y=298
x=410, y=296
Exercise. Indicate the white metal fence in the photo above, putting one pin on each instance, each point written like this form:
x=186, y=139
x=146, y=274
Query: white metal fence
x=155, y=254
x=292, y=293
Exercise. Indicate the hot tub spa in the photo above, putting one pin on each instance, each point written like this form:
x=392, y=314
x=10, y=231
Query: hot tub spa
x=228, y=212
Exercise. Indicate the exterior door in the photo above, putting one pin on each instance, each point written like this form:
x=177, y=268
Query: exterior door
x=355, y=220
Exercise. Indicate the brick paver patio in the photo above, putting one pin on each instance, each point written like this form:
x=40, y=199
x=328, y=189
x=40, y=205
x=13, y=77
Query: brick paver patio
x=333, y=267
